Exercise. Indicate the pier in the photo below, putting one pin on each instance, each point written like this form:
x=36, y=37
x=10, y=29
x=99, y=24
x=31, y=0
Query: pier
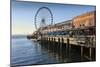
x=79, y=33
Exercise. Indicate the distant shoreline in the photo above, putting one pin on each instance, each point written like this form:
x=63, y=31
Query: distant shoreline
x=18, y=36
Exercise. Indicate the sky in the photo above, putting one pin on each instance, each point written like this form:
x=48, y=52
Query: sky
x=23, y=14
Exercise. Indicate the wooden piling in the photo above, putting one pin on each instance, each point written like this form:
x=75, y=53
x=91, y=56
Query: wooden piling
x=58, y=43
x=81, y=50
x=68, y=42
x=69, y=46
x=90, y=53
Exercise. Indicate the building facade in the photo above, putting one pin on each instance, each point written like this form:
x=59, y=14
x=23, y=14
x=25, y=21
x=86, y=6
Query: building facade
x=85, y=20
x=57, y=27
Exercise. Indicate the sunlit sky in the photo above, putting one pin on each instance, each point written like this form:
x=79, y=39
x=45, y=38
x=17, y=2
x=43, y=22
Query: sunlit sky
x=23, y=14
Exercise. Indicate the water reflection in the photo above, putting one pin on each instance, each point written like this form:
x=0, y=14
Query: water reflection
x=60, y=53
x=30, y=52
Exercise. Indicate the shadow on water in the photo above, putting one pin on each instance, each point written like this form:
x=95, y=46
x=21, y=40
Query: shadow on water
x=62, y=54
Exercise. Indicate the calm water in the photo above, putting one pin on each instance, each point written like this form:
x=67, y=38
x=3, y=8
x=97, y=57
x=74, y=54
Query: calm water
x=29, y=52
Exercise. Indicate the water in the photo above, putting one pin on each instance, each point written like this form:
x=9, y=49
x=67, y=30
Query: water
x=29, y=52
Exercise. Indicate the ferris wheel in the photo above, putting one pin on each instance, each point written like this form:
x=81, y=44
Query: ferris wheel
x=43, y=18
